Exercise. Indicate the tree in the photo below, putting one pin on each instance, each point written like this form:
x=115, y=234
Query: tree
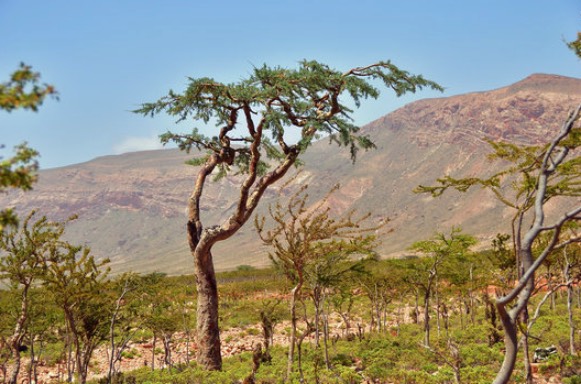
x=22, y=91
x=570, y=262
x=271, y=101
x=23, y=252
x=535, y=177
x=78, y=283
x=121, y=325
x=437, y=251
x=309, y=245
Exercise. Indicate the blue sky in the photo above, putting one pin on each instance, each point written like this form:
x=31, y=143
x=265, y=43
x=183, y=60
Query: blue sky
x=106, y=57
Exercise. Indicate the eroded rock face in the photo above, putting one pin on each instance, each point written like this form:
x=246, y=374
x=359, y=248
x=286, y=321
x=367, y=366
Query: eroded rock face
x=522, y=113
x=132, y=207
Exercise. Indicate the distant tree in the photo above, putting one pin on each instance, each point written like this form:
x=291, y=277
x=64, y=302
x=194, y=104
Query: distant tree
x=503, y=259
x=436, y=251
x=311, y=246
x=535, y=176
x=255, y=117
x=122, y=322
x=162, y=313
x=381, y=286
x=22, y=91
x=23, y=252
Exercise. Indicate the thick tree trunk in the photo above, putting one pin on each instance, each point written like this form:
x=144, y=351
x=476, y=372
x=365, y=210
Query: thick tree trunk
x=15, y=366
x=207, y=327
x=509, y=318
x=510, y=343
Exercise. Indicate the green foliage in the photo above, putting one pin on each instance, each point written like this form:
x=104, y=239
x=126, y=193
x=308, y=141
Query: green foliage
x=19, y=171
x=245, y=267
x=311, y=245
x=306, y=99
x=575, y=45
x=25, y=250
x=24, y=91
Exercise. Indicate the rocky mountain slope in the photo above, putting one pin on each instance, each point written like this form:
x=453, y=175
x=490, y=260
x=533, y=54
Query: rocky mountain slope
x=132, y=207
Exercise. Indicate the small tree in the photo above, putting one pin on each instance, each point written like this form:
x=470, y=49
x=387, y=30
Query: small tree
x=78, y=283
x=122, y=325
x=270, y=102
x=310, y=245
x=437, y=251
x=23, y=251
x=536, y=176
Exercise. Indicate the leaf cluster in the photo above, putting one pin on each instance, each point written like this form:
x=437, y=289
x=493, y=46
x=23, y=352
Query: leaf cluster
x=24, y=91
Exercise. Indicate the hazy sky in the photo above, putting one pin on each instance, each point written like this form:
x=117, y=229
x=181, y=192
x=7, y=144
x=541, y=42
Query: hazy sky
x=106, y=57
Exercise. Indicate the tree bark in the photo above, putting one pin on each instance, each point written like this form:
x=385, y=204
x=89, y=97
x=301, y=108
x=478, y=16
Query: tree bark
x=207, y=326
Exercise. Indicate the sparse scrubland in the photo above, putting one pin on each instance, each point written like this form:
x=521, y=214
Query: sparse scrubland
x=371, y=325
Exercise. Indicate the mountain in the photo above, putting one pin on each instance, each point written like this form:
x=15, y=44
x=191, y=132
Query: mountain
x=131, y=207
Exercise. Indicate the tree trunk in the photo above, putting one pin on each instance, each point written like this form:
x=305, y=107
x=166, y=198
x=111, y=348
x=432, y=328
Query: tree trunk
x=153, y=352
x=207, y=327
x=167, y=350
x=509, y=319
x=572, y=350
x=471, y=296
x=325, y=317
x=15, y=341
x=427, y=319
x=437, y=299
x=569, y=282
x=317, y=303
x=15, y=366
x=417, y=308
x=293, y=335
x=510, y=343
x=526, y=352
